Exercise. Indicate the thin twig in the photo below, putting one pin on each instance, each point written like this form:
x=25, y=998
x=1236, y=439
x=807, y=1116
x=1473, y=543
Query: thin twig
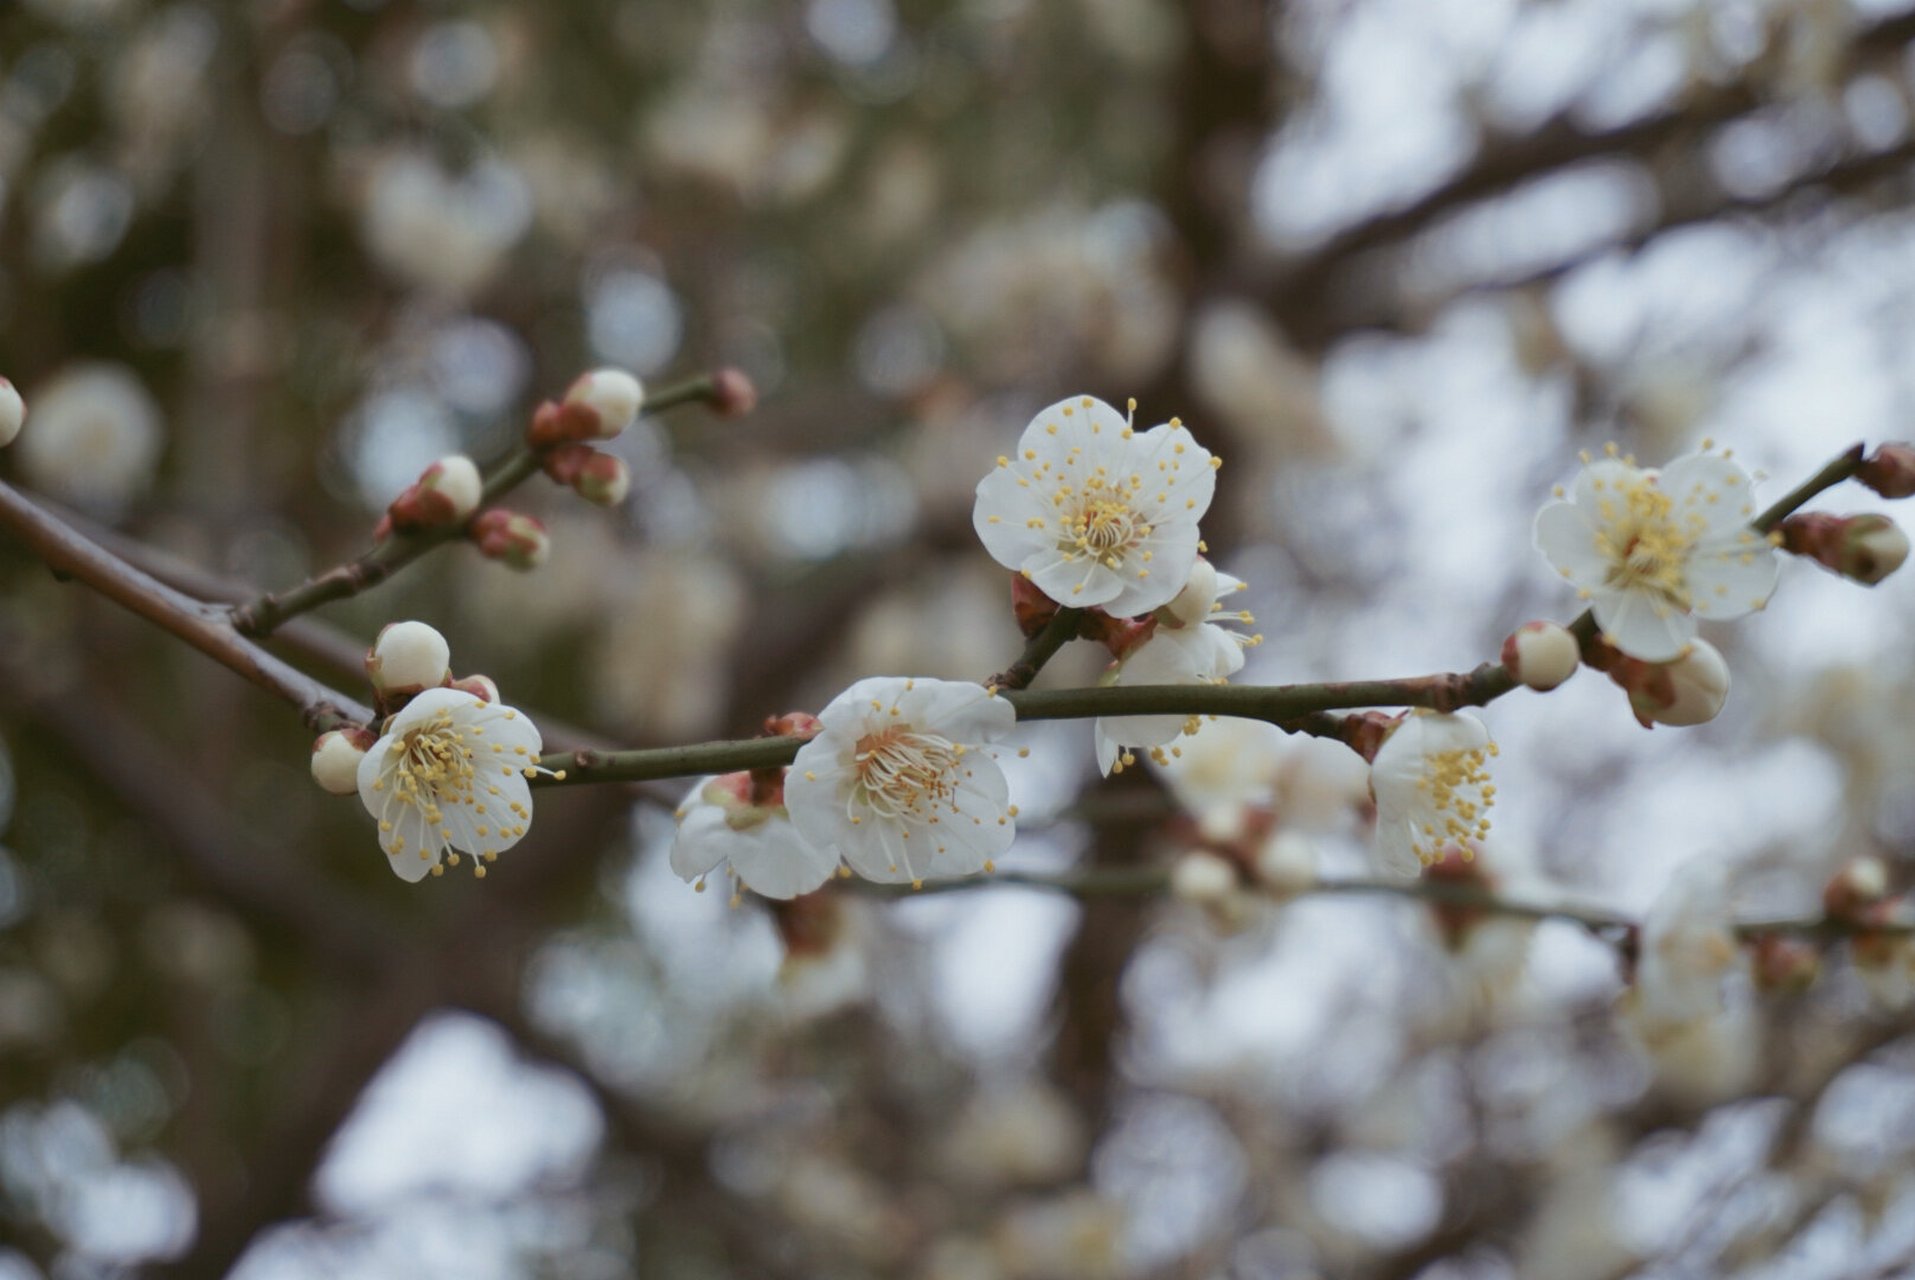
x=259, y=616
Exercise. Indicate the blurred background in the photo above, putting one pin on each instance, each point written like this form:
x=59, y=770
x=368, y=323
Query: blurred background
x=1395, y=260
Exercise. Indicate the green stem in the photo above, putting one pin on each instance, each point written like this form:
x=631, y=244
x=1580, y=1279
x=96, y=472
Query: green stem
x=1838, y=469
x=1054, y=635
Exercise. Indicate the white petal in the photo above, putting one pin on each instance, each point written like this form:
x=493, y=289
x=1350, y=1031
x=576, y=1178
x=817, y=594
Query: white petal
x=1009, y=538
x=1602, y=480
x=774, y=860
x=1711, y=487
x=1642, y=625
x=1729, y=577
x=699, y=845
x=1567, y=539
x=956, y=709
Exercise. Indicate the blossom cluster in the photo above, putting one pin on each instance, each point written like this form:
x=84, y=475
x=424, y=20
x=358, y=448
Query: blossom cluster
x=897, y=780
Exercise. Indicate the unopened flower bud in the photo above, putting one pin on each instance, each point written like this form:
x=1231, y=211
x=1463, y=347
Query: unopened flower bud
x=1866, y=548
x=732, y=393
x=1191, y=606
x=13, y=413
x=408, y=657
x=1203, y=878
x=1688, y=691
x=1890, y=471
x=336, y=756
x=1541, y=655
x=1784, y=965
x=603, y=480
x=613, y=396
x=511, y=538
x=1859, y=885
x=484, y=688
x=446, y=493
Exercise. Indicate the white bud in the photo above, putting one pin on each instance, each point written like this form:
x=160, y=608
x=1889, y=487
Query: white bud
x=335, y=762
x=455, y=478
x=408, y=657
x=13, y=413
x=1287, y=863
x=1191, y=606
x=613, y=395
x=1697, y=686
x=1542, y=654
x=1875, y=549
x=1202, y=878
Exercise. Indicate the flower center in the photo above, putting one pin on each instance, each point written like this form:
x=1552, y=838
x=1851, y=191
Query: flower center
x=433, y=766
x=1645, y=546
x=905, y=774
x=1460, y=795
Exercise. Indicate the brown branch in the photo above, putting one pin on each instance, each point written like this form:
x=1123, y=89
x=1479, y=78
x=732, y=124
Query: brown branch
x=204, y=627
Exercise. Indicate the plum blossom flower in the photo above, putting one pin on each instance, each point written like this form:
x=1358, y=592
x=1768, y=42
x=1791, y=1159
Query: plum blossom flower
x=450, y=773
x=1186, y=647
x=736, y=821
x=898, y=782
x=1652, y=551
x=1095, y=512
x=1433, y=793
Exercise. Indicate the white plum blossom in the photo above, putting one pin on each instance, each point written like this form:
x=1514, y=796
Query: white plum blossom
x=450, y=773
x=723, y=822
x=1652, y=551
x=1688, y=947
x=1187, y=647
x=1096, y=513
x=898, y=782
x=1433, y=793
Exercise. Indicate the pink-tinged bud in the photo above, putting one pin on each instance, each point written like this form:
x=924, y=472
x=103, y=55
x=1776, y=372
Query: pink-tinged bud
x=1866, y=548
x=1860, y=885
x=1890, y=471
x=13, y=413
x=796, y=724
x=554, y=424
x=382, y=530
x=564, y=462
x=1541, y=655
x=1203, y=878
x=336, y=757
x=603, y=480
x=613, y=398
x=1784, y=965
x=1031, y=607
x=447, y=493
x=510, y=538
x=1688, y=691
x=1191, y=606
x=484, y=688
x=408, y=658
x=732, y=393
